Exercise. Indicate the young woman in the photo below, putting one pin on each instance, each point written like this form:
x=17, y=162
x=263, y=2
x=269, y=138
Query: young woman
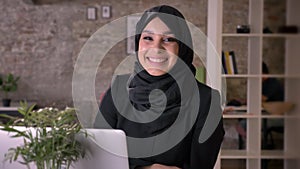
x=162, y=109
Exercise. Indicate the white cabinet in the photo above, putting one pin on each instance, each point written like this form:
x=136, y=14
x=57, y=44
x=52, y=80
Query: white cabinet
x=251, y=49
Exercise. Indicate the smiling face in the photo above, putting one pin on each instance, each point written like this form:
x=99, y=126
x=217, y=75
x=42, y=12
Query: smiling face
x=158, y=48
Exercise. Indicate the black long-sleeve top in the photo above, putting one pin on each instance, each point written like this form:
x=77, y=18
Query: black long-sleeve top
x=188, y=153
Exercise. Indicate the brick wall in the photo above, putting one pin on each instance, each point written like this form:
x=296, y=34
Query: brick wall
x=40, y=43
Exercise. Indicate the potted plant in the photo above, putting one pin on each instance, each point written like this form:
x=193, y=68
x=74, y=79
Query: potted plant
x=49, y=137
x=8, y=84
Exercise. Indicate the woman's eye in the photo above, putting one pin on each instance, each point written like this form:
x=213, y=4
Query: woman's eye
x=147, y=38
x=170, y=40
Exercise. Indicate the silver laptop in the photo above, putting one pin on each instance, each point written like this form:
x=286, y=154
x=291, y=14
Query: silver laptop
x=105, y=149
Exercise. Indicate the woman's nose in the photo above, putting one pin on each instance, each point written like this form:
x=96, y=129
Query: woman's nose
x=158, y=44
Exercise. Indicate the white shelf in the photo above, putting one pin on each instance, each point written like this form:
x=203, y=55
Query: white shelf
x=252, y=54
x=278, y=116
x=265, y=35
x=276, y=154
x=8, y=108
x=264, y=154
x=239, y=76
x=281, y=76
x=237, y=154
x=260, y=76
x=249, y=115
x=241, y=35
x=239, y=115
x=281, y=35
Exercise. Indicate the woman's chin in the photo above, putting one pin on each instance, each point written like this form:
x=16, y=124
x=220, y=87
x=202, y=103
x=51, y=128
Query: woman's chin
x=156, y=72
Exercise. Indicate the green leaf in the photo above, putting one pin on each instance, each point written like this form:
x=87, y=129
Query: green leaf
x=9, y=83
x=13, y=130
x=8, y=116
x=52, y=141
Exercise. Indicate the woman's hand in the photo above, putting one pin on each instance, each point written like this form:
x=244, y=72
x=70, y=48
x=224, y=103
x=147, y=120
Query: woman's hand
x=158, y=166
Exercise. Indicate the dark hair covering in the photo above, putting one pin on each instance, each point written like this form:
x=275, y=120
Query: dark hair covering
x=265, y=68
x=176, y=23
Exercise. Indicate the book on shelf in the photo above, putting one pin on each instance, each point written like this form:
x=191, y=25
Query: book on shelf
x=229, y=62
x=224, y=63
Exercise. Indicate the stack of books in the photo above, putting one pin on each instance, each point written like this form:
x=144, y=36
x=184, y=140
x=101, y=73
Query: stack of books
x=229, y=62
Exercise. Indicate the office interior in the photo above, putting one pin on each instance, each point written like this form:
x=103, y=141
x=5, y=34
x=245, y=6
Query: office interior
x=41, y=40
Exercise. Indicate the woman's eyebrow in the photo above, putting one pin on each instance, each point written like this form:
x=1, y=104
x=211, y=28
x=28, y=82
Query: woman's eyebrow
x=162, y=33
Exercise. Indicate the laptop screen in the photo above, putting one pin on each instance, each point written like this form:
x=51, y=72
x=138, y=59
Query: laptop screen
x=105, y=149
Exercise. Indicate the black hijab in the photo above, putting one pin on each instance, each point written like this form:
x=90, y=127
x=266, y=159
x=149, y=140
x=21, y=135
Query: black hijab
x=176, y=23
x=177, y=81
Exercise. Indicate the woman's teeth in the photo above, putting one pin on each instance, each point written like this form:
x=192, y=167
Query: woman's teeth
x=157, y=60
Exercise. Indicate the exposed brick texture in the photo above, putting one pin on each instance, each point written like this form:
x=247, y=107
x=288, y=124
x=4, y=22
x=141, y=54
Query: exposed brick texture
x=40, y=42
